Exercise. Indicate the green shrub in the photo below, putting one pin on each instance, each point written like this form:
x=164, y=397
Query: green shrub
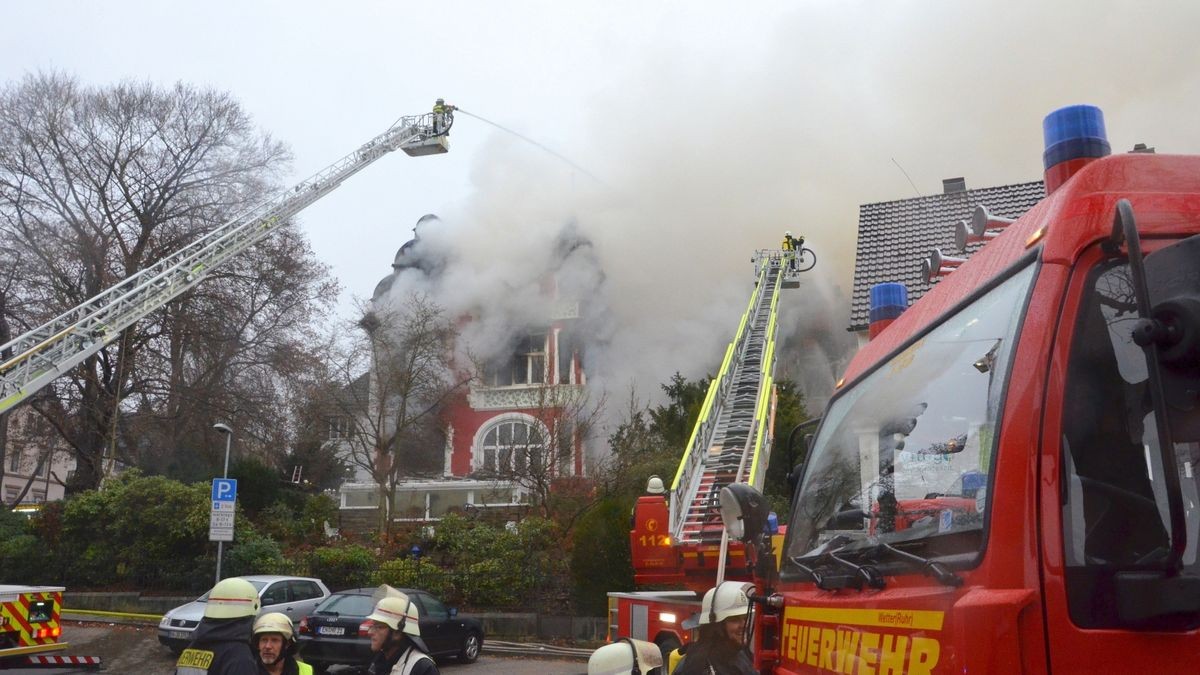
x=600, y=561
x=23, y=560
x=341, y=567
x=492, y=583
x=254, y=554
x=278, y=522
x=417, y=573
x=317, y=510
x=12, y=524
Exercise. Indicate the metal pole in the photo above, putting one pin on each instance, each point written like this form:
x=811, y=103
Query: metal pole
x=224, y=474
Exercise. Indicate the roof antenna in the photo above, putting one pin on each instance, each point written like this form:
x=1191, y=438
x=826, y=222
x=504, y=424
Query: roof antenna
x=910, y=180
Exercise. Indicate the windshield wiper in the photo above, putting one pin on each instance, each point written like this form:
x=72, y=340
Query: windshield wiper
x=929, y=566
x=865, y=573
x=817, y=577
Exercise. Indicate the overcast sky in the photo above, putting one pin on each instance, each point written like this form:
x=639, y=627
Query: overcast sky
x=713, y=126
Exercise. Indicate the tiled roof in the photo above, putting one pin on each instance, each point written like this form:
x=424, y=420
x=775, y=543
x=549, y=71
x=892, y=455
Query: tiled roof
x=893, y=237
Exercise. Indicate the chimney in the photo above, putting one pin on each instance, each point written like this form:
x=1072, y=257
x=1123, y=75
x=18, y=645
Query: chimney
x=952, y=185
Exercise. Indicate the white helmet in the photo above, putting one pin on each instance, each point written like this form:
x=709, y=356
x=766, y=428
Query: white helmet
x=703, y=616
x=398, y=612
x=274, y=622
x=731, y=598
x=231, y=598
x=625, y=657
x=655, y=486
x=788, y=233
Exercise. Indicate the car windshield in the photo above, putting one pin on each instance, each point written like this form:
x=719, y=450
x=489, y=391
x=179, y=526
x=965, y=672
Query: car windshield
x=258, y=586
x=347, y=605
x=906, y=453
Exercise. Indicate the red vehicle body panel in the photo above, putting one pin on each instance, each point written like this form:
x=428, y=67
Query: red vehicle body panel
x=1010, y=614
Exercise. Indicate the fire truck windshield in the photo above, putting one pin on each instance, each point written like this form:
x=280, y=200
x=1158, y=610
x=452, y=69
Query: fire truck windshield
x=907, y=452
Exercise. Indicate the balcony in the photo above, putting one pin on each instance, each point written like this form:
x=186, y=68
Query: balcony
x=535, y=396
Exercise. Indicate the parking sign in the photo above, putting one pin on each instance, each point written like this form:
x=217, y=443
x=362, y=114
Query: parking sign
x=224, y=506
x=224, y=489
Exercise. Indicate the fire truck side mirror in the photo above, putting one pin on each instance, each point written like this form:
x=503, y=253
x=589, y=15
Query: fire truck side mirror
x=1173, y=282
x=744, y=511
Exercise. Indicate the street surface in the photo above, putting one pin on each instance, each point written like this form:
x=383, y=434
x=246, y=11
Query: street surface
x=135, y=649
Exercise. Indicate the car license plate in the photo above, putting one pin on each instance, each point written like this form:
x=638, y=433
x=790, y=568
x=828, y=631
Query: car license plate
x=331, y=630
x=179, y=635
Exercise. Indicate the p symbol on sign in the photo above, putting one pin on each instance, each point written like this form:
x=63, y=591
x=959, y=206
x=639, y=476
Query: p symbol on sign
x=224, y=489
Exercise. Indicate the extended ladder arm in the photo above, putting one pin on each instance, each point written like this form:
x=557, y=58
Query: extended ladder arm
x=731, y=439
x=44, y=353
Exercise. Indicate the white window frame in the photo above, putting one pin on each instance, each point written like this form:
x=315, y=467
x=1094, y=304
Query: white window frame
x=479, y=450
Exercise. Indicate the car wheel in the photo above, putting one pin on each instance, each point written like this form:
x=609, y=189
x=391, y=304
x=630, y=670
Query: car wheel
x=470, y=648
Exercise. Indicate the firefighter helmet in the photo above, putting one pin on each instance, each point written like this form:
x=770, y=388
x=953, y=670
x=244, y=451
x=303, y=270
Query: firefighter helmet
x=703, y=616
x=788, y=233
x=731, y=598
x=399, y=613
x=626, y=657
x=654, y=486
x=274, y=622
x=231, y=598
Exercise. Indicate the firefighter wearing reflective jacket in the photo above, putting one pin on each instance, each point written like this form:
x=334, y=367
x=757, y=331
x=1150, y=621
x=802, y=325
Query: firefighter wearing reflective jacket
x=396, y=639
x=626, y=657
x=221, y=643
x=721, y=649
x=275, y=644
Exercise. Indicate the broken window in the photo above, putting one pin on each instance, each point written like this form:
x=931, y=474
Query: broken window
x=525, y=363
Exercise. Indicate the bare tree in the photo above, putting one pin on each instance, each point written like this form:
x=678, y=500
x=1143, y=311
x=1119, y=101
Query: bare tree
x=395, y=377
x=99, y=183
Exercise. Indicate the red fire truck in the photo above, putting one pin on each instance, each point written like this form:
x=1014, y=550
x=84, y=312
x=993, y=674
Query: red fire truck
x=1007, y=478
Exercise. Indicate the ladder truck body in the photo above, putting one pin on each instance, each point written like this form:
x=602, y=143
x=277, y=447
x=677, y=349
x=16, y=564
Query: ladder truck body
x=677, y=541
x=46, y=352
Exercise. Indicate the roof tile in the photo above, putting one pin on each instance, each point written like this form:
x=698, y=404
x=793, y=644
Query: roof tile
x=894, y=236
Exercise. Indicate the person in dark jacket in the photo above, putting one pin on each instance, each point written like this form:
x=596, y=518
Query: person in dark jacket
x=721, y=649
x=221, y=643
x=395, y=633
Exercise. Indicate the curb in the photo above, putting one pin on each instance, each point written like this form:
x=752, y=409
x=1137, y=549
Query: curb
x=110, y=617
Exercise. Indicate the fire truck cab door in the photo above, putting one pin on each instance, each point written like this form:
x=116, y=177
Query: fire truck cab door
x=1103, y=496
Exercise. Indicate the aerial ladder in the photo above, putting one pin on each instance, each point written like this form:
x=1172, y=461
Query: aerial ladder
x=678, y=541
x=732, y=439
x=52, y=349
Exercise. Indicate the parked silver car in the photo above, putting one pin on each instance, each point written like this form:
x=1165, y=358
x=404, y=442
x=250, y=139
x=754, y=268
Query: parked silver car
x=296, y=597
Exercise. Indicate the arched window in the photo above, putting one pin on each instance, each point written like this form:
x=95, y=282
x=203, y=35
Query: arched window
x=511, y=445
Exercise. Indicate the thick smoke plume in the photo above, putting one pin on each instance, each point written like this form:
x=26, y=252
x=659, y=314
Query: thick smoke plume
x=707, y=155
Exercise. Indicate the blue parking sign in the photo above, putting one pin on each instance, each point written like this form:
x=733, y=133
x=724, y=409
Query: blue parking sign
x=224, y=489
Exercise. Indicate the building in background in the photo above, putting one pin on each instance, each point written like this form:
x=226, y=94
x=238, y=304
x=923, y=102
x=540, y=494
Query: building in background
x=510, y=433
x=894, y=237
x=36, y=458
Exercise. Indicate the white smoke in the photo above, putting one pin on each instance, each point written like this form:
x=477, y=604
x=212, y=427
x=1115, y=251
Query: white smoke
x=705, y=157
